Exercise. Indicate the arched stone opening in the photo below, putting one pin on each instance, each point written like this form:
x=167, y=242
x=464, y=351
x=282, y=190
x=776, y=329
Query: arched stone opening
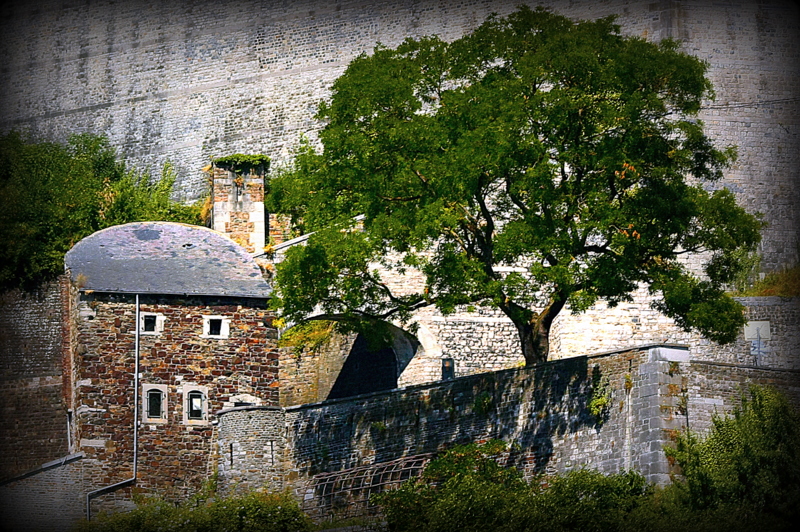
x=319, y=363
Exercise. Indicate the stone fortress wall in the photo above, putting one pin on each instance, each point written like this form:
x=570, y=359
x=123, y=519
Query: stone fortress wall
x=332, y=455
x=32, y=408
x=188, y=81
x=195, y=80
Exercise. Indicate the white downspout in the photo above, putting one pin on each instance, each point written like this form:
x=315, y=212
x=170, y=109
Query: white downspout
x=136, y=392
x=113, y=487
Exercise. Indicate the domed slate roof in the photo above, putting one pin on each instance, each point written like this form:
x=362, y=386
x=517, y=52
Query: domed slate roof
x=165, y=258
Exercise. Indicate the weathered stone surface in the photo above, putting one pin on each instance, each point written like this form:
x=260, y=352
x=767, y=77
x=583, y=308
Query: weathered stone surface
x=195, y=80
x=336, y=453
x=33, y=410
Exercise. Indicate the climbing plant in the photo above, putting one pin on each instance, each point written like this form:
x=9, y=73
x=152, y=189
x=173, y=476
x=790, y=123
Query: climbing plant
x=240, y=162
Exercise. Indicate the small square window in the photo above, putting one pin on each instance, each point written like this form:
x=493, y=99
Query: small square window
x=216, y=327
x=151, y=323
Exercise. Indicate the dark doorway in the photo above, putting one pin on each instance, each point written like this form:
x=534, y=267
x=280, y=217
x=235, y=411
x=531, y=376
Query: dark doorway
x=365, y=371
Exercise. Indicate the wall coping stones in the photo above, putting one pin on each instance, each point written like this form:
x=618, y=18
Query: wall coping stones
x=744, y=366
x=474, y=376
x=248, y=408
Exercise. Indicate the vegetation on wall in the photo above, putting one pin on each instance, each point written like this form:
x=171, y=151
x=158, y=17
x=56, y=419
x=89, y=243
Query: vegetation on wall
x=599, y=399
x=54, y=195
x=784, y=283
x=241, y=162
x=561, y=145
x=750, y=459
x=310, y=336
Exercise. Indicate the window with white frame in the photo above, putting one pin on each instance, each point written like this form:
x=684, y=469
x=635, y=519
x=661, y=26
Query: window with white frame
x=216, y=327
x=151, y=323
x=154, y=403
x=195, y=404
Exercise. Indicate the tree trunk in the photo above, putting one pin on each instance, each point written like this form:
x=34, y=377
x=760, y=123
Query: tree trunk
x=534, y=333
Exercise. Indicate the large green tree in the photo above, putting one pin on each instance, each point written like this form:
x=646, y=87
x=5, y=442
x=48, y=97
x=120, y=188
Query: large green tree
x=561, y=148
x=55, y=194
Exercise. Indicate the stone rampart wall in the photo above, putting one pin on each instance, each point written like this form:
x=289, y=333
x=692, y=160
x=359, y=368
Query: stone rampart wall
x=33, y=413
x=336, y=453
x=186, y=81
x=714, y=388
x=383, y=438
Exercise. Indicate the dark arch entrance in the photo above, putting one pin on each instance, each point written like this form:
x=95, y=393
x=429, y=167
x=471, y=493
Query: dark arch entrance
x=365, y=371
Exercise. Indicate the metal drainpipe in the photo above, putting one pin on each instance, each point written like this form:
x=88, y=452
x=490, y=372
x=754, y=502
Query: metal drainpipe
x=113, y=487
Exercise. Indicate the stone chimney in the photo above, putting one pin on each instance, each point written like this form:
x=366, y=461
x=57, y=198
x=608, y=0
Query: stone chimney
x=239, y=206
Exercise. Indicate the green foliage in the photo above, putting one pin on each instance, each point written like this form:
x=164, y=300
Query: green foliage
x=599, y=401
x=750, y=459
x=379, y=426
x=535, y=139
x=745, y=475
x=134, y=198
x=482, y=404
x=254, y=512
x=54, y=195
x=580, y=500
x=466, y=490
x=750, y=264
x=240, y=162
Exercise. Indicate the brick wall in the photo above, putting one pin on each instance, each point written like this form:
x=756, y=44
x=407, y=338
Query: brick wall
x=174, y=455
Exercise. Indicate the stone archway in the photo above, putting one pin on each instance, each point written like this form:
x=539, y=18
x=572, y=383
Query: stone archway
x=331, y=365
x=365, y=370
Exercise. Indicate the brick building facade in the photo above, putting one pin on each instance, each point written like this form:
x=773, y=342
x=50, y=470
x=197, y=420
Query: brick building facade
x=178, y=313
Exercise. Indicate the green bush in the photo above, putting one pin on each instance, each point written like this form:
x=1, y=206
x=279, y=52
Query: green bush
x=749, y=463
x=744, y=475
x=254, y=512
x=579, y=500
x=467, y=490
x=464, y=489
